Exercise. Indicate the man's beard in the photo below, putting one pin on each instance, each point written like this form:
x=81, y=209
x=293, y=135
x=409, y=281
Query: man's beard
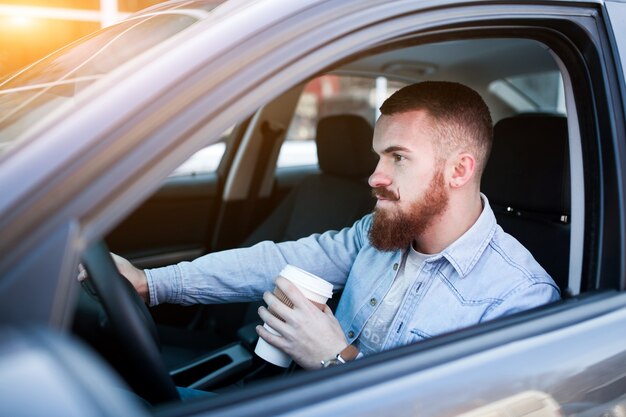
x=394, y=230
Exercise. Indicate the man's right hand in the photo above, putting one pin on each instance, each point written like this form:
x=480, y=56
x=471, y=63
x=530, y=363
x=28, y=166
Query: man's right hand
x=136, y=276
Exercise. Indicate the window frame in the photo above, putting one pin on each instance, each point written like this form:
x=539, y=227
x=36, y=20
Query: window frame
x=588, y=77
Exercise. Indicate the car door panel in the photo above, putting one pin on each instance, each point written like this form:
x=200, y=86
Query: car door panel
x=464, y=371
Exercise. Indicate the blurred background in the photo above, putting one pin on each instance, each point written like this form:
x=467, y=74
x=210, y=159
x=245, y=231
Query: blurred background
x=31, y=29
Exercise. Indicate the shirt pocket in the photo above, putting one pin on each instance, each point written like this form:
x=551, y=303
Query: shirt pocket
x=447, y=305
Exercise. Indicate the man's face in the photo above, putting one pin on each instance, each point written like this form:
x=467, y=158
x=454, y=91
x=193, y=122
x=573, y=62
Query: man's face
x=408, y=182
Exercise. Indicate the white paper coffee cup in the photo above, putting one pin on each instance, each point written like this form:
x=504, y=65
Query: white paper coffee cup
x=313, y=288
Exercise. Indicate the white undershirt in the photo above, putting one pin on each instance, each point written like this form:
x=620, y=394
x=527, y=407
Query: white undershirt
x=375, y=330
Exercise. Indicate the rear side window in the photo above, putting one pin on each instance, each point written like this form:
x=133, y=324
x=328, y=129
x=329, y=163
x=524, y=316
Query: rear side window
x=537, y=92
x=325, y=96
x=206, y=160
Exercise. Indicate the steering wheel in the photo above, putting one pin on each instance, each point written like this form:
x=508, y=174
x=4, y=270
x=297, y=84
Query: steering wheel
x=133, y=325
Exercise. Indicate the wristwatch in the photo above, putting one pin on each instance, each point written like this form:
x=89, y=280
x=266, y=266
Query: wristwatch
x=348, y=354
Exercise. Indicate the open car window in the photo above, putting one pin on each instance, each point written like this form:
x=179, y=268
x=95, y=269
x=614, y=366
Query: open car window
x=329, y=95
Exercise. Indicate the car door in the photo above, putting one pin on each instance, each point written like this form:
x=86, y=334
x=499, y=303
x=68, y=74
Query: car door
x=571, y=352
x=546, y=361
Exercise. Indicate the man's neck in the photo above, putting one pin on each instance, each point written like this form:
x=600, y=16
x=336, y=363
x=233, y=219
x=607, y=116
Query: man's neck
x=457, y=219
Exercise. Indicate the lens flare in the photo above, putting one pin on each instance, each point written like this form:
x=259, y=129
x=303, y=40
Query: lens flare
x=20, y=21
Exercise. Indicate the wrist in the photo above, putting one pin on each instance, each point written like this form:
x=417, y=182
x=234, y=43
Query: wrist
x=348, y=354
x=142, y=285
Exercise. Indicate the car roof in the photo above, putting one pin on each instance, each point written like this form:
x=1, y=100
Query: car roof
x=457, y=60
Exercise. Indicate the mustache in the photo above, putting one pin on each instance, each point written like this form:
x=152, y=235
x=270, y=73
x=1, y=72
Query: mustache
x=385, y=193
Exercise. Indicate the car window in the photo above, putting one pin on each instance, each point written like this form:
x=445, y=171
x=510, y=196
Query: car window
x=536, y=92
x=206, y=160
x=325, y=96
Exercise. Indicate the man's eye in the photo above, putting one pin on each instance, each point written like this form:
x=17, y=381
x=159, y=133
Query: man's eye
x=398, y=158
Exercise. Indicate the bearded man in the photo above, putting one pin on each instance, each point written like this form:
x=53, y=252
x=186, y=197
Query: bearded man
x=429, y=260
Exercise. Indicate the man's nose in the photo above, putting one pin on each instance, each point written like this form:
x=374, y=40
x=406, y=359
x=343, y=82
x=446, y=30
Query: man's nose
x=379, y=178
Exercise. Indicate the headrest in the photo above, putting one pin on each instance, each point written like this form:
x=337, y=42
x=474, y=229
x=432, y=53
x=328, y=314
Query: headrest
x=529, y=164
x=344, y=146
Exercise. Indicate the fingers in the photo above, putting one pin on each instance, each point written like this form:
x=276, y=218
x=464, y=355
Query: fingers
x=276, y=313
x=274, y=322
x=270, y=338
x=293, y=293
x=82, y=273
x=276, y=306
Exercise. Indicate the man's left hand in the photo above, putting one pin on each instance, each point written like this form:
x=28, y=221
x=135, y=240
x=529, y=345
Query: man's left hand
x=308, y=334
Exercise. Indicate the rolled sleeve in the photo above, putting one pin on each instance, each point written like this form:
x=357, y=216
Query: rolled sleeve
x=242, y=275
x=165, y=285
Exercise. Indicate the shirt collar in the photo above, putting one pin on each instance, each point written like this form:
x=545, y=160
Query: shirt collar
x=464, y=252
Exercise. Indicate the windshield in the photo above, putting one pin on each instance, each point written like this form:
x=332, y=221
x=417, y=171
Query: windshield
x=57, y=79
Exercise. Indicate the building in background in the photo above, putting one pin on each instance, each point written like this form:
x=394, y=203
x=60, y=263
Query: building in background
x=31, y=29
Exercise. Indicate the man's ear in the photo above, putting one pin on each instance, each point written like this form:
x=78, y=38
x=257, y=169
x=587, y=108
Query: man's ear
x=462, y=169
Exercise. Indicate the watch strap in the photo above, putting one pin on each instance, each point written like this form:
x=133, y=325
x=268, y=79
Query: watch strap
x=348, y=354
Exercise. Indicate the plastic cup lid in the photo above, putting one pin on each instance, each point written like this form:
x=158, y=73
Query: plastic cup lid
x=307, y=280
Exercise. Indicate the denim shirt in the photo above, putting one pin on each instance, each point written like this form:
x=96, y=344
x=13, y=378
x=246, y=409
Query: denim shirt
x=484, y=274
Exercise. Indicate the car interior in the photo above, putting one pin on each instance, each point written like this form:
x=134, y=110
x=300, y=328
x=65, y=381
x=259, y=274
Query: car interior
x=300, y=164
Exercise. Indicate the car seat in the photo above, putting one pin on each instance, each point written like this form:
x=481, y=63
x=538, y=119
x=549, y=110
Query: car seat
x=337, y=196
x=527, y=182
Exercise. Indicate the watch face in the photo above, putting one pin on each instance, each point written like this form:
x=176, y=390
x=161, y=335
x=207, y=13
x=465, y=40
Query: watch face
x=330, y=362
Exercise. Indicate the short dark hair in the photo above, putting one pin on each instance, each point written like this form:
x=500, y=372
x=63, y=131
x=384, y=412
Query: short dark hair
x=461, y=118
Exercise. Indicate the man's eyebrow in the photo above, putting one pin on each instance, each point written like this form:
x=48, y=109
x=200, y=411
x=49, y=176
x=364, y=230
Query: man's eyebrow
x=396, y=148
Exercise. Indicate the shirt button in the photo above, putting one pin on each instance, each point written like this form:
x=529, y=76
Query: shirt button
x=373, y=301
x=395, y=267
x=350, y=334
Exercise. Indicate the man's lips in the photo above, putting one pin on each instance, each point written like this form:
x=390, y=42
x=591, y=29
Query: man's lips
x=384, y=194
